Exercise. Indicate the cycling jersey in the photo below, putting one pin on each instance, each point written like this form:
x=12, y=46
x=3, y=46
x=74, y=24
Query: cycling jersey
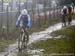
x=64, y=11
x=25, y=22
x=70, y=11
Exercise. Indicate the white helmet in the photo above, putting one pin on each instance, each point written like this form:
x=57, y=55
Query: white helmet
x=72, y=4
x=64, y=7
x=24, y=12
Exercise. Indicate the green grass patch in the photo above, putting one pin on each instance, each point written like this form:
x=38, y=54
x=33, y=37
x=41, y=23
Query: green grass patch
x=61, y=45
x=6, y=39
x=4, y=43
x=67, y=31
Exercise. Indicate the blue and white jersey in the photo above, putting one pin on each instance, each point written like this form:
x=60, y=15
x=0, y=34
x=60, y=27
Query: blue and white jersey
x=21, y=21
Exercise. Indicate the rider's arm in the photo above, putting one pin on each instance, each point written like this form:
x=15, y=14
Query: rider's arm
x=62, y=12
x=67, y=11
x=17, y=22
x=29, y=21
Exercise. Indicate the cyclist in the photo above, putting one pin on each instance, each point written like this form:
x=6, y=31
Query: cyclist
x=70, y=14
x=23, y=21
x=64, y=14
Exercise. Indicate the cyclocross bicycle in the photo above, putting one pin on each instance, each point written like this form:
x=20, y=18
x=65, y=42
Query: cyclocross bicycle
x=22, y=40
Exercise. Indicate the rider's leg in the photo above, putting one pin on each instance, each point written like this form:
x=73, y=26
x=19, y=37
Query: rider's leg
x=69, y=20
x=20, y=27
x=27, y=33
x=63, y=20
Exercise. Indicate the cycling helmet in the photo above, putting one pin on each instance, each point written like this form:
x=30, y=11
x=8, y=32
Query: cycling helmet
x=64, y=7
x=24, y=12
x=72, y=4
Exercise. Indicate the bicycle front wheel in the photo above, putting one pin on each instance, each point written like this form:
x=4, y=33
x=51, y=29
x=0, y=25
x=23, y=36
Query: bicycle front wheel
x=20, y=41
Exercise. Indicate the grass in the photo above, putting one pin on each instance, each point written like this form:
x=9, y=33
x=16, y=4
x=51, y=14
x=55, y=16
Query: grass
x=69, y=32
x=61, y=45
x=6, y=40
x=4, y=44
